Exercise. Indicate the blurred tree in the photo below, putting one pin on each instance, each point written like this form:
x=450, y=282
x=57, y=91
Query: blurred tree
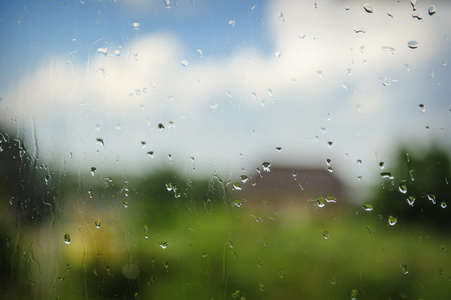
x=418, y=190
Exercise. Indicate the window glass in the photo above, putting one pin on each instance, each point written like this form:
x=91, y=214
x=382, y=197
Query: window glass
x=225, y=149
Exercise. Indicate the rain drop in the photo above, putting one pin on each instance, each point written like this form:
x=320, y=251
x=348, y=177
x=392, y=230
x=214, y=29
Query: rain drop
x=150, y=154
x=67, y=238
x=402, y=188
x=125, y=204
x=367, y=7
x=100, y=142
x=392, y=220
x=412, y=44
x=321, y=201
x=237, y=186
x=93, y=170
x=404, y=269
x=422, y=107
x=244, y=178
x=184, y=62
x=382, y=165
x=163, y=245
x=443, y=205
x=326, y=235
x=329, y=143
x=432, y=10
x=387, y=175
x=103, y=51
x=431, y=197
x=266, y=166
x=367, y=207
x=331, y=199
x=232, y=22
x=359, y=30
x=414, y=4
x=411, y=200
x=97, y=223
x=359, y=161
x=279, y=149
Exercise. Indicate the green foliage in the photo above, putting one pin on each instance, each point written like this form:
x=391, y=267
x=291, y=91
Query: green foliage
x=419, y=191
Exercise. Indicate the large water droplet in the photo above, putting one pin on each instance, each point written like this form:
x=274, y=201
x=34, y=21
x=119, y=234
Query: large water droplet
x=67, y=238
x=368, y=8
x=412, y=44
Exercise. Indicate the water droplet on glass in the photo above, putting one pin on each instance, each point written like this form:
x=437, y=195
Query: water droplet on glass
x=443, y=205
x=354, y=294
x=404, y=269
x=277, y=54
x=93, y=170
x=387, y=175
x=266, y=166
x=320, y=74
x=326, y=235
x=331, y=199
x=359, y=161
x=279, y=149
x=412, y=44
x=389, y=49
x=167, y=4
x=402, y=188
x=411, y=200
x=237, y=186
x=281, y=18
x=418, y=16
x=414, y=4
x=163, y=245
x=184, y=62
x=367, y=207
x=244, y=178
x=100, y=142
x=367, y=7
x=431, y=197
x=382, y=165
x=117, y=52
x=392, y=220
x=160, y=127
x=169, y=186
x=125, y=204
x=329, y=143
x=135, y=25
x=359, y=30
x=67, y=238
x=103, y=51
x=432, y=10
x=97, y=223
x=237, y=203
x=422, y=107
x=232, y=22
x=170, y=158
x=150, y=154
x=321, y=201
x=330, y=169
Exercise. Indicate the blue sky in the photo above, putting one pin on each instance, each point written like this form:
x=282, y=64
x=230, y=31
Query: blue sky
x=268, y=74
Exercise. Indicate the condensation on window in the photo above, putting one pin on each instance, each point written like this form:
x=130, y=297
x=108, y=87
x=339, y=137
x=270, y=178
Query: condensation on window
x=225, y=150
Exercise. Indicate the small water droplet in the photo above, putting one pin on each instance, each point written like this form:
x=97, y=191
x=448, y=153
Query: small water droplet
x=329, y=143
x=331, y=199
x=170, y=158
x=184, y=62
x=382, y=165
x=67, y=238
x=354, y=294
x=404, y=269
x=163, y=245
x=237, y=186
x=431, y=197
x=103, y=51
x=281, y=18
x=367, y=207
x=150, y=154
x=232, y=23
x=237, y=203
x=135, y=25
x=244, y=178
x=279, y=149
x=432, y=10
x=392, y=220
x=387, y=175
x=326, y=235
x=443, y=205
x=359, y=30
x=368, y=8
x=169, y=186
x=97, y=223
x=266, y=166
x=117, y=52
x=100, y=142
x=359, y=161
x=412, y=44
x=402, y=188
x=414, y=4
x=330, y=169
x=125, y=204
x=411, y=200
x=320, y=74
x=167, y=4
x=93, y=171
x=422, y=107
x=278, y=54
x=418, y=16
x=321, y=201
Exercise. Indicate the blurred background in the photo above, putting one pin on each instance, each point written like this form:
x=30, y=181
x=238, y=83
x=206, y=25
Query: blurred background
x=225, y=149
